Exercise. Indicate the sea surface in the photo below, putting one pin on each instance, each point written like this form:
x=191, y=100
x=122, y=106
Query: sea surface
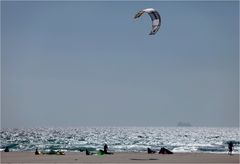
x=122, y=139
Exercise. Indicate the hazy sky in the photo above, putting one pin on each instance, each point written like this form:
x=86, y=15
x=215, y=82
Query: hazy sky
x=91, y=64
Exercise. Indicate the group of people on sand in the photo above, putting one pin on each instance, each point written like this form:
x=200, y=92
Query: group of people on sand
x=166, y=151
x=52, y=152
x=163, y=150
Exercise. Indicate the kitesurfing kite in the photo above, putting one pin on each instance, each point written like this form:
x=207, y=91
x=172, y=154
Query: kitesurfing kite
x=156, y=19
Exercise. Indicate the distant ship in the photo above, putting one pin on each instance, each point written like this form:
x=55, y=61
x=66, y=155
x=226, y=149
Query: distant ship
x=184, y=124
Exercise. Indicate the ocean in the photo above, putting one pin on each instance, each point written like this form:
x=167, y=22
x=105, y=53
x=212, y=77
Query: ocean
x=122, y=139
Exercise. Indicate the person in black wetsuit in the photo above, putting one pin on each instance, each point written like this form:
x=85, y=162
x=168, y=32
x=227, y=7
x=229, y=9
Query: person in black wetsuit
x=88, y=152
x=37, y=152
x=230, y=147
x=105, y=148
x=6, y=149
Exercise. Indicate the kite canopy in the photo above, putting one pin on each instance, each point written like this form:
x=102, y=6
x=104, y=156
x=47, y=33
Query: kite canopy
x=156, y=19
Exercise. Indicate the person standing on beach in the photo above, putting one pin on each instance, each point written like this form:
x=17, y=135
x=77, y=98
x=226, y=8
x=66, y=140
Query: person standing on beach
x=230, y=147
x=6, y=149
x=37, y=152
x=105, y=148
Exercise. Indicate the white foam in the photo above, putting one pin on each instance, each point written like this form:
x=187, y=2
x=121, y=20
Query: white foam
x=177, y=139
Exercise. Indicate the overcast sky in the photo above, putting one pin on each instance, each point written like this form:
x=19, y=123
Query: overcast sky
x=91, y=64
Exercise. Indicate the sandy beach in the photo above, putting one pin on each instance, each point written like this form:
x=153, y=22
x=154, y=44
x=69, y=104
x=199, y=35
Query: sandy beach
x=69, y=157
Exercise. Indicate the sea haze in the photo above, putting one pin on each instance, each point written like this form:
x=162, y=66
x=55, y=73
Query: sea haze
x=122, y=139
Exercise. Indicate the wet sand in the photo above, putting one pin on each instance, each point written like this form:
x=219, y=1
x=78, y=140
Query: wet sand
x=69, y=157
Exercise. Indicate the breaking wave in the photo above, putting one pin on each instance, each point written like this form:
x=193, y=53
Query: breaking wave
x=122, y=139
